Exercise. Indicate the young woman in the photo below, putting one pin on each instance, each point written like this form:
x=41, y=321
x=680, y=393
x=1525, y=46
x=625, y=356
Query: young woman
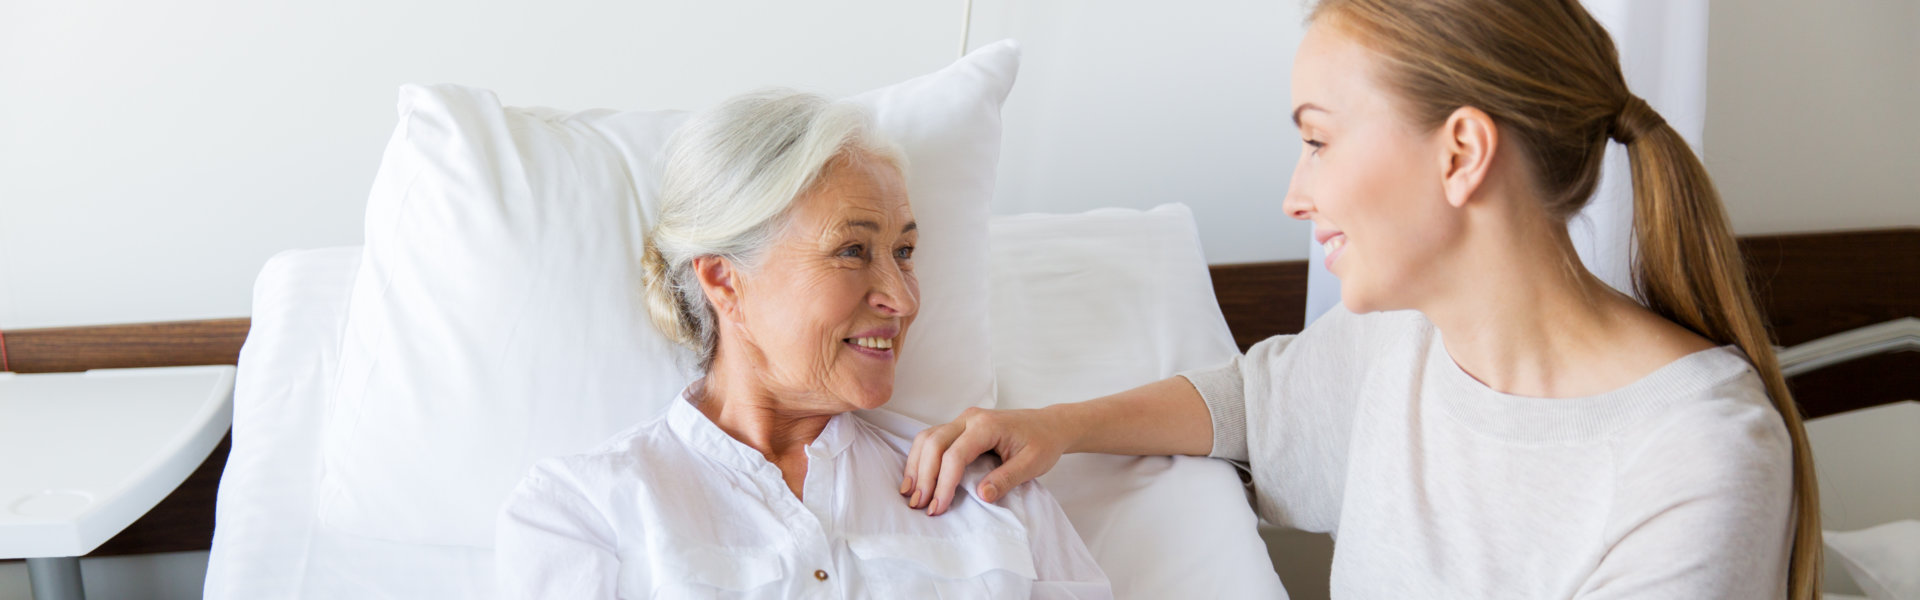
x=1484, y=418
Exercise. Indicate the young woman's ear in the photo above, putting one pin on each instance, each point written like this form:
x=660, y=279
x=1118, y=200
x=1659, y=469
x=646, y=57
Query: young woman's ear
x=721, y=283
x=1468, y=141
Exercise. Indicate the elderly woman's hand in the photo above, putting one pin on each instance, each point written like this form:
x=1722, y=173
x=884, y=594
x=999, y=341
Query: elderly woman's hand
x=1029, y=442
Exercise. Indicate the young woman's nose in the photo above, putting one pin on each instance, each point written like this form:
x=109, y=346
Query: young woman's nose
x=1296, y=204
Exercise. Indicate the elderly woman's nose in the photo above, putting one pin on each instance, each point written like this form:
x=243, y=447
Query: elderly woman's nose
x=892, y=294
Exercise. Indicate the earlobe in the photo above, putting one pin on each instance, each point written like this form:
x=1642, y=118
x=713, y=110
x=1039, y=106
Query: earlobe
x=1470, y=141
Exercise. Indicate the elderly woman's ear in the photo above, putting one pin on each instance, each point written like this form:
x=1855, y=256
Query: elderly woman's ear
x=721, y=284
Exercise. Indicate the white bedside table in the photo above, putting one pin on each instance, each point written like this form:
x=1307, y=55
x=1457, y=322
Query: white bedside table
x=82, y=455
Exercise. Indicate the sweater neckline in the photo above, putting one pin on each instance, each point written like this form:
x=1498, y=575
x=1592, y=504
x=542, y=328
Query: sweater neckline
x=1583, y=418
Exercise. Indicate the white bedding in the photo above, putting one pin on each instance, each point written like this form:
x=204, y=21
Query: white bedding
x=267, y=544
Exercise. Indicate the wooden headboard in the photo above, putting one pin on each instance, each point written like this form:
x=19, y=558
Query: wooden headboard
x=1810, y=286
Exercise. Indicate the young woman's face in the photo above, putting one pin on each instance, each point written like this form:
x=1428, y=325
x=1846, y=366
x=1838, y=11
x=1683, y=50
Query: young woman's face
x=1368, y=178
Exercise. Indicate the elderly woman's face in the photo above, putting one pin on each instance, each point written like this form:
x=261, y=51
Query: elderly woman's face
x=826, y=309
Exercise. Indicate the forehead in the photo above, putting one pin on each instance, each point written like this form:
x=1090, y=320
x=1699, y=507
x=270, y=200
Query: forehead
x=1332, y=70
x=857, y=186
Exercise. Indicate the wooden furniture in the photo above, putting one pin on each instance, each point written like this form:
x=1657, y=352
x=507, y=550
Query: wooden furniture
x=1810, y=286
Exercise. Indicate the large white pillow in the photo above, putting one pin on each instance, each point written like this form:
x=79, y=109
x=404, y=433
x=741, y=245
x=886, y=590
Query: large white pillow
x=1089, y=304
x=496, y=319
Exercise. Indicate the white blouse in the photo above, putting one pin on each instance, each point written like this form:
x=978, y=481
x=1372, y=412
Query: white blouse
x=676, y=508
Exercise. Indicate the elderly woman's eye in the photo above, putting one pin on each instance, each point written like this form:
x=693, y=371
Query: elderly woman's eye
x=853, y=251
x=904, y=253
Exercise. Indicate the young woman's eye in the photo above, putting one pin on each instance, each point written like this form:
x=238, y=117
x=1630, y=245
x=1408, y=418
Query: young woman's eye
x=904, y=253
x=1317, y=145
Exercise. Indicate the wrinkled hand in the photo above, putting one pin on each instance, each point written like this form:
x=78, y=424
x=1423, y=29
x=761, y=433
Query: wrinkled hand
x=1029, y=442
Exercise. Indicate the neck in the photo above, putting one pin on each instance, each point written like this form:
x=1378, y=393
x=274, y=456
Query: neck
x=736, y=398
x=1523, y=316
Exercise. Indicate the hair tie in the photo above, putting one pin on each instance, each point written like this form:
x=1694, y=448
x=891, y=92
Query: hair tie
x=1634, y=118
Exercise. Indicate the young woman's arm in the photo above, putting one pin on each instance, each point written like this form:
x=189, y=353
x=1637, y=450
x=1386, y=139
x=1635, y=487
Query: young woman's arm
x=1163, y=417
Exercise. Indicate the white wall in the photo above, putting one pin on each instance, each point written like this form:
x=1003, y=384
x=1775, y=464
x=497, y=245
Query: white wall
x=1813, y=119
x=154, y=154
x=1136, y=104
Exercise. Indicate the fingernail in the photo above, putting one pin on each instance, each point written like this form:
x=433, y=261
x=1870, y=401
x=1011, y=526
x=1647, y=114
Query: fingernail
x=989, y=492
x=906, y=486
x=915, y=502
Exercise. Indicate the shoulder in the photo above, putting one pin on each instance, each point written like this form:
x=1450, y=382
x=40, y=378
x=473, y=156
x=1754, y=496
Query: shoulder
x=886, y=428
x=1344, y=332
x=1724, y=434
x=622, y=457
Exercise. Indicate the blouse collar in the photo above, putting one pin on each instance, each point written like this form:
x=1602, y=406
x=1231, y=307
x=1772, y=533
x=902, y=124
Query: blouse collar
x=693, y=426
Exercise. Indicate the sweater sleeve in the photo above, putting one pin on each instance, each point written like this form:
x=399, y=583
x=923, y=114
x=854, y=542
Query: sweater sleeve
x=1703, y=509
x=1224, y=390
x=1286, y=408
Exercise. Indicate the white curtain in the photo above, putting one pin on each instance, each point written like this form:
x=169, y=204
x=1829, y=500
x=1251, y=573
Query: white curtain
x=1663, y=48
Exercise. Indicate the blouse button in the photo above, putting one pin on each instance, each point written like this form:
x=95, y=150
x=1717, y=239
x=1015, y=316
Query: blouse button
x=820, y=575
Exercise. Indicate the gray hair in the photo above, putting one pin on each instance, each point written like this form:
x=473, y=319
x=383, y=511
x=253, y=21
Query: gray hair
x=732, y=174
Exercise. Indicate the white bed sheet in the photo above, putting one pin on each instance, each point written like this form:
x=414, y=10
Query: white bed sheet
x=267, y=543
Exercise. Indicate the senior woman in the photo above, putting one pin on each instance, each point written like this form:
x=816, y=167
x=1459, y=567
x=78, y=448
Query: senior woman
x=783, y=258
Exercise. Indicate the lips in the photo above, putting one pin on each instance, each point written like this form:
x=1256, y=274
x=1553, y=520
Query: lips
x=1334, y=244
x=1332, y=241
x=877, y=342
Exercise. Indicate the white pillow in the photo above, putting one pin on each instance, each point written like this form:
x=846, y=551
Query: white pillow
x=266, y=503
x=496, y=319
x=1090, y=304
x=1884, y=559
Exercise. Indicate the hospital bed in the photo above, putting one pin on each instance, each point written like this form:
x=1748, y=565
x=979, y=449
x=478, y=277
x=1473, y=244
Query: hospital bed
x=1813, y=286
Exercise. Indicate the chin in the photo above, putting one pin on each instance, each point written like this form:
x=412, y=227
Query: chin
x=872, y=396
x=1355, y=301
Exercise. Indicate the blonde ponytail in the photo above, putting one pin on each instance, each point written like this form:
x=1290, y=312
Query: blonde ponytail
x=1689, y=270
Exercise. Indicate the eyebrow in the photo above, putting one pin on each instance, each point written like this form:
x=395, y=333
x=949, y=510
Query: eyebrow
x=875, y=227
x=1303, y=108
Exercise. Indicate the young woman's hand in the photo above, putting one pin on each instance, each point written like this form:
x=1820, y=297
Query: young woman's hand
x=1163, y=417
x=1029, y=443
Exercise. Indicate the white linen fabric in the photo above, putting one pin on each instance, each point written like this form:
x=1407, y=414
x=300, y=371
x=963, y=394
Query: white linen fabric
x=676, y=508
x=265, y=509
x=266, y=540
x=496, y=319
x=1089, y=304
x=1676, y=486
x=1884, y=559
